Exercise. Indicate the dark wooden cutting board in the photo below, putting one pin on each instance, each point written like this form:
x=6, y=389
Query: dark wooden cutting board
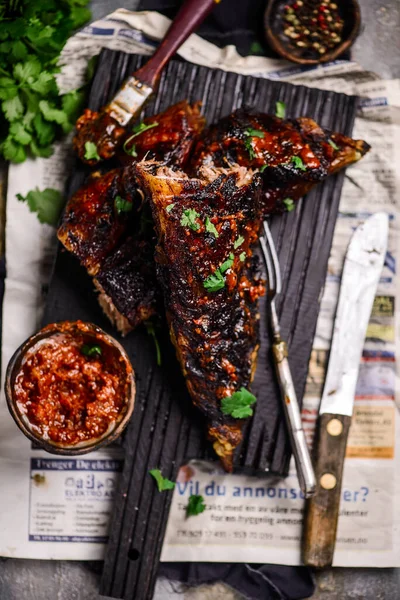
x=165, y=430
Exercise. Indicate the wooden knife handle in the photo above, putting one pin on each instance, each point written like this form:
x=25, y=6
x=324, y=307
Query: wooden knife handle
x=322, y=510
x=189, y=17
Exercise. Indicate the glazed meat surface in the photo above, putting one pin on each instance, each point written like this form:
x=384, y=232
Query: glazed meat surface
x=293, y=155
x=207, y=229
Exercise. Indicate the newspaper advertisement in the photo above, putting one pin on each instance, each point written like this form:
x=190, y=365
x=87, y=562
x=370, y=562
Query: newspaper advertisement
x=59, y=507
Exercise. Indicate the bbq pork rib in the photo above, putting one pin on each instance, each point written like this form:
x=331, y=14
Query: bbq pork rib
x=207, y=229
x=293, y=155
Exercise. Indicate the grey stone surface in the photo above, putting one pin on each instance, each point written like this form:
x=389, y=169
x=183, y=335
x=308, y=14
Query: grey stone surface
x=378, y=49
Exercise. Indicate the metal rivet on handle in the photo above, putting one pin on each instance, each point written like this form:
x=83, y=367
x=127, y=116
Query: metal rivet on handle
x=334, y=427
x=328, y=481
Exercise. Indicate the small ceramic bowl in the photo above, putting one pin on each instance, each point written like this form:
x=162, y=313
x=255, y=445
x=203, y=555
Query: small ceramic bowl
x=92, y=335
x=273, y=23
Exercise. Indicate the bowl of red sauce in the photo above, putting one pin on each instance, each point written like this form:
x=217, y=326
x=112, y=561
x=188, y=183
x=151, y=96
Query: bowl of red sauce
x=70, y=388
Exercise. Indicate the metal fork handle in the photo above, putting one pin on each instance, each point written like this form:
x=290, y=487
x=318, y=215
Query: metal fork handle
x=305, y=471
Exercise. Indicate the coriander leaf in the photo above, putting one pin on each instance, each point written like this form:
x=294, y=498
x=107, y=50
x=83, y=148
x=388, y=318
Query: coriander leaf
x=13, y=151
x=51, y=113
x=288, y=202
x=262, y=169
x=8, y=88
x=214, y=282
x=280, y=109
x=122, y=205
x=227, y=264
x=151, y=331
x=36, y=150
x=137, y=130
x=88, y=350
x=238, y=242
x=19, y=133
x=256, y=48
x=79, y=16
x=249, y=147
x=45, y=131
x=254, y=132
x=332, y=143
x=162, y=482
x=188, y=219
x=13, y=108
x=47, y=204
x=298, y=163
x=91, y=151
x=195, y=505
x=169, y=207
x=19, y=50
x=210, y=227
x=242, y=256
x=72, y=104
x=30, y=68
x=239, y=404
x=44, y=84
x=131, y=151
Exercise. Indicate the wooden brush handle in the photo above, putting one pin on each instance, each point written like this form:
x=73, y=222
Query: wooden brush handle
x=322, y=510
x=189, y=17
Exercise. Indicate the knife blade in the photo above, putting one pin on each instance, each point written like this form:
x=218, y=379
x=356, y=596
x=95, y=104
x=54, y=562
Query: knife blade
x=361, y=272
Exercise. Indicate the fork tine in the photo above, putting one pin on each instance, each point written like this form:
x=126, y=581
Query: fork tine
x=269, y=242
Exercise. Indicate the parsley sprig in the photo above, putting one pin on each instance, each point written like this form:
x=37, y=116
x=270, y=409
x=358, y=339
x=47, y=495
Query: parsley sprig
x=189, y=217
x=289, y=204
x=195, y=506
x=280, y=109
x=32, y=111
x=162, y=482
x=216, y=281
x=137, y=130
x=251, y=133
x=47, y=204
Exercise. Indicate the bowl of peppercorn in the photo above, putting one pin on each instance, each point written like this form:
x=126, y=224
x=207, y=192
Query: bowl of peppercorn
x=310, y=32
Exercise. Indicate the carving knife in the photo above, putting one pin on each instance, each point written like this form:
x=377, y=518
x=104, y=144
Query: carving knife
x=361, y=272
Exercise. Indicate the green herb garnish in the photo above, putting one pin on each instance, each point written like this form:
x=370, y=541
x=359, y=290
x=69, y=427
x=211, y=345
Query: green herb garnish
x=210, y=227
x=332, y=143
x=195, y=505
x=162, y=482
x=88, y=350
x=262, y=169
x=169, y=207
x=242, y=256
x=137, y=130
x=239, y=404
x=151, y=331
x=91, y=151
x=122, y=205
x=289, y=204
x=298, y=163
x=216, y=281
x=189, y=217
x=250, y=132
x=249, y=147
x=227, y=264
x=48, y=204
x=238, y=242
x=280, y=109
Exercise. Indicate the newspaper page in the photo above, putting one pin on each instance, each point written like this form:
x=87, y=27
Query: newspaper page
x=59, y=508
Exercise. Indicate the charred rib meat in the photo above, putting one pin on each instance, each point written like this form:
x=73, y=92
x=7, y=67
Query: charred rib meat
x=293, y=155
x=206, y=232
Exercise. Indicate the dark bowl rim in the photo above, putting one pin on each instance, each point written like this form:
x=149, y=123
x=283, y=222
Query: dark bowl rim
x=280, y=49
x=51, y=447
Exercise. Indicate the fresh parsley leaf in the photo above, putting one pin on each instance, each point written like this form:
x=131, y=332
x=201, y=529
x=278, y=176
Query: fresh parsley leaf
x=47, y=204
x=298, y=163
x=13, y=151
x=44, y=84
x=249, y=147
x=210, y=227
x=162, y=482
x=169, y=207
x=8, y=88
x=131, y=151
x=227, y=264
x=151, y=331
x=45, y=131
x=214, y=282
x=332, y=143
x=137, y=130
x=262, y=169
x=36, y=150
x=238, y=242
x=250, y=132
x=122, y=205
x=280, y=109
x=19, y=50
x=91, y=151
x=189, y=217
x=239, y=404
x=29, y=69
x=51, y=113
x=19, y=133
x=89, y=350
x=289, y=204
x=242, y=256
x=195, y=505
